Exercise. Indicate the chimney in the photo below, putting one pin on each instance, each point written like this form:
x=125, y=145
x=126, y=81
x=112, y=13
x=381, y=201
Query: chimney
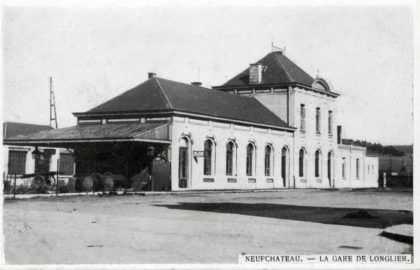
x=339, y=134
x=196, y=83
x=255, y=73
x=151, y=75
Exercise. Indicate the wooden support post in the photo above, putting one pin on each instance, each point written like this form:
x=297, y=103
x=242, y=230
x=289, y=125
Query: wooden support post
x=57, y=187
x=14, y=187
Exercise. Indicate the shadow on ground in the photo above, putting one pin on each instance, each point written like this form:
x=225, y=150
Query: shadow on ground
x=359, y=217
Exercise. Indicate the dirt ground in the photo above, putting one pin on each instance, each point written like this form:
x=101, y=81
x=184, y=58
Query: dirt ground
x=201, y=228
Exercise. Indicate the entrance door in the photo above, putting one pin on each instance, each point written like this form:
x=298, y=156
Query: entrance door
x=284, y=167
x=329, y=170
x=183, y=167
x=161, y=175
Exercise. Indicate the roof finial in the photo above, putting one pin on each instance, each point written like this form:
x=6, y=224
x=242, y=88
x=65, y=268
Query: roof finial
x=317, y=73
x=277, y=49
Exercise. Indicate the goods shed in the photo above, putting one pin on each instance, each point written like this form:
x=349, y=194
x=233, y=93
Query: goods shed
x=116, y=150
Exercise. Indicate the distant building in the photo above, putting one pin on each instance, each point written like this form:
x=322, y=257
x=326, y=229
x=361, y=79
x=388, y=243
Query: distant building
x=398, y=169
x=271, y=126
x=19, y=159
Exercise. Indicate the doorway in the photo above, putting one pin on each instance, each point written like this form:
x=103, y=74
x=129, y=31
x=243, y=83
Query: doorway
x=183, y=170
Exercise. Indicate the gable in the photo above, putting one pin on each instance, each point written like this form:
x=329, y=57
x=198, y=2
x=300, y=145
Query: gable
x=278, y=70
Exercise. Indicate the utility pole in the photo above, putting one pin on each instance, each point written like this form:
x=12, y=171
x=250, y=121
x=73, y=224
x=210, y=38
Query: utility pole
x=53, y=111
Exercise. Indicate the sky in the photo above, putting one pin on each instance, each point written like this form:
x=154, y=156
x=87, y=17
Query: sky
x=96, y=53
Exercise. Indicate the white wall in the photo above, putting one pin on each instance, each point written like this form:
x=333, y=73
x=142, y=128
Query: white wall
x=222, y=132
x=351, y=154
x=30, y=162
x=310, y=140
x=276, y=101
x=371, y=171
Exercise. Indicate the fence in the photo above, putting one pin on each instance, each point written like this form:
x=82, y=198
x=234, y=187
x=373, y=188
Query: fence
x=394, y=179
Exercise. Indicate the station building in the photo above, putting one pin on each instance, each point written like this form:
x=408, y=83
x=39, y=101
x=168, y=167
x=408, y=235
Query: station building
x=271, y=126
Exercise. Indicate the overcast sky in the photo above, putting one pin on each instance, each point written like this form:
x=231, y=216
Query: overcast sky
x=94, y=54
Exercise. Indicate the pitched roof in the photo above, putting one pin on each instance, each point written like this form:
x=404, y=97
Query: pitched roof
x=12, y=129
x=157, y=94
x=107, y=132
x=278, y=70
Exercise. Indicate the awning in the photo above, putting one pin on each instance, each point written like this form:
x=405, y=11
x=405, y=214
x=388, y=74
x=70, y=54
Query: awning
x=153, y=132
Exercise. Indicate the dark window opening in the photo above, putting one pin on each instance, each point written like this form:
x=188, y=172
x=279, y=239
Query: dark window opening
x=17, y=162
x=208, y=147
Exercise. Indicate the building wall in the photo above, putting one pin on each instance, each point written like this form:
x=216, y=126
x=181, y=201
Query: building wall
x=311, y=141
x=30, y=162
x=371, y=172
x=273, y=99
x=351, y=155
x=198, y=131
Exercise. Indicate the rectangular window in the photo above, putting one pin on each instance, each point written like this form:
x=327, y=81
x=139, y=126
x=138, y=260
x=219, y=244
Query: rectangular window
x=343, y=168
x=302, y=117
x=357, y=168
x=318, y=120
x=66, y=164
x=17, y=162
x=330, y=124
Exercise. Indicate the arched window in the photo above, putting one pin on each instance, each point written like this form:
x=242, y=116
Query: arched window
x=302, y=162
x=329, y=167
x=317, y=163
x=357, y=168
x=343, y=168
x=250, y=151
x=230, y=158
x=284, y=165
x=267, y=160
x=208, y=156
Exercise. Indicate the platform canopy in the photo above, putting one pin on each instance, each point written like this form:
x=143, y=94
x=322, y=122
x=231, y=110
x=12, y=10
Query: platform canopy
x=152, y=132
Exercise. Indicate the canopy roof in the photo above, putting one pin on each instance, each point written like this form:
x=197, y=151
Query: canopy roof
x=12, y=129
x=156, y=132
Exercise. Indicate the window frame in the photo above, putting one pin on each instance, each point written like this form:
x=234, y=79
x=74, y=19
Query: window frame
x=250, y=160
x=18, y=168
x=209, y=157
x=301, y=163
x=343, y=168
x=357, y=168
x=233, y=158
x=330, y=122
x=318, y=163
x=268, y=160
x=302, y=117
x=185, y=145
x=61, y=163
x=318, y=120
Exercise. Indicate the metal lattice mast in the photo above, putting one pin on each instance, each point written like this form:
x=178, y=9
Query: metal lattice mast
x=53, y=111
